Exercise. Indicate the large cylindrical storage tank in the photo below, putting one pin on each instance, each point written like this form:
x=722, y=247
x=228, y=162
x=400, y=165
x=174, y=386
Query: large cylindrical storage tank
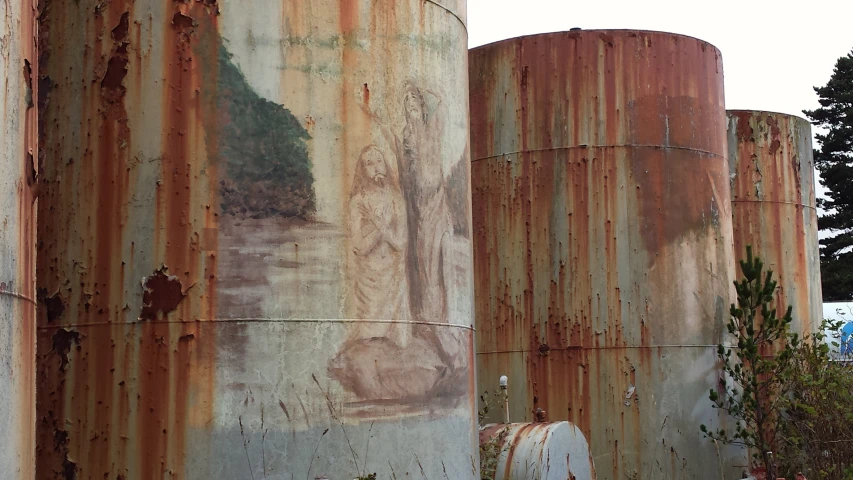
x=603, y=240
x=18, y=177
x=255, y=249
x=773, y=206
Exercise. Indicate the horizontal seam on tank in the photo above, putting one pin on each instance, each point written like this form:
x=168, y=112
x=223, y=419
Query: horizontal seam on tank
x=464, y=27
x=585, y=147
x=258, y=320
x=776, y=202
x=17, y=295
x=612, y=347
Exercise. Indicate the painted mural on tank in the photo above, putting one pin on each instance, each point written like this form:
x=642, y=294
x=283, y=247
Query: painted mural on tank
x=400, y=236
x=401, y=228
x=386, y=246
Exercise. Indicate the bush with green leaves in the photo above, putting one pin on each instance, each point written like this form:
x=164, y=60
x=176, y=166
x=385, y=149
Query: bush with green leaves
x=792, y=403
x=816, y=429
x=493, y=447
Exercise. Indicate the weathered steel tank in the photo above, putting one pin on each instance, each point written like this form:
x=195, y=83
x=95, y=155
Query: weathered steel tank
x=18, y=168
x=255, y=246
x=536, y=451
x=773, y=206
x=603, y=240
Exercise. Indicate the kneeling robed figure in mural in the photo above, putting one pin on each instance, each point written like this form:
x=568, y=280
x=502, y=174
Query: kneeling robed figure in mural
x=399, y=222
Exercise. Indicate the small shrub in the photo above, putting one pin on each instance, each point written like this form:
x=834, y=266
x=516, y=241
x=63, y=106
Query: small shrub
x=816, y=428
x=491, y=448
x=757, y=375
x=791, y=400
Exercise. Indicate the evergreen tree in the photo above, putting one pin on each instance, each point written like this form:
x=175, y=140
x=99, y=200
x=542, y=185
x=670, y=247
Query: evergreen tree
x=834, y=160
x=757, y=375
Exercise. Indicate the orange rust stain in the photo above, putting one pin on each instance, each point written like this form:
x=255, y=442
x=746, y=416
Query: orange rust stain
x=518, y=436
x=348, y=22
x=24, y=249
x=184, y=348
x=775, y=136
x=744, y=129
x=472, y=384
x=108, y=157
x=111, y=383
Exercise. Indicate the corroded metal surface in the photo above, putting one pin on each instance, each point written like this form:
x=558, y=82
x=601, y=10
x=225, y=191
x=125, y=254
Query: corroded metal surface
x=603, y=240
x=18, y=176
x=255, y=259
x=540, y=451
x=773, y=206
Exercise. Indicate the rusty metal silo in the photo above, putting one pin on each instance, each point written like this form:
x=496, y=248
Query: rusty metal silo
x=603, y=240
x=255, y=250
x=18, y=176
x=773, y=206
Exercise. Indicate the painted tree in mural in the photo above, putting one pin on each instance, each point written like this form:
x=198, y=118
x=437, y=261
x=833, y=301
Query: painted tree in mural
x=267, y=170
x=834, y=160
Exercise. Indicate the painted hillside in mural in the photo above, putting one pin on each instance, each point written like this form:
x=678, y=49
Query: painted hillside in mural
x=267, y=172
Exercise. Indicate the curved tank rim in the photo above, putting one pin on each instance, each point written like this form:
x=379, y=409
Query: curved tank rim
x=770, y=112
x=595, y=30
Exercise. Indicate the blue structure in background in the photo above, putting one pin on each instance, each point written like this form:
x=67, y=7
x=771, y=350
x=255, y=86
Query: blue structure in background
x=847, y=339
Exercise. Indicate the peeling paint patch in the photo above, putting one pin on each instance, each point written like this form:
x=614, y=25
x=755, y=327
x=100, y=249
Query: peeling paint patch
x=53, y=305
x=28, y=77
x=60, y=445
x=117, y=65
x=182, y=22
x=744, y=129
x=62, y=341
x=32, y=176
x=161, y=294
x=69, y=469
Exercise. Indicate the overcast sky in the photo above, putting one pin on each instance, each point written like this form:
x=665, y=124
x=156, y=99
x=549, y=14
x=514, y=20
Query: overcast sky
x=772, y=54
x=774, y=51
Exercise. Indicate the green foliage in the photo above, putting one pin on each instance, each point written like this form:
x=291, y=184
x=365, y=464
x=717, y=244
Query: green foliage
x=267, y=172
x=817, y=425
x=791, y=401
x=756, y=374
x=490, y=453
x=487, y=401
x=492, y=448
x=834, y=160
